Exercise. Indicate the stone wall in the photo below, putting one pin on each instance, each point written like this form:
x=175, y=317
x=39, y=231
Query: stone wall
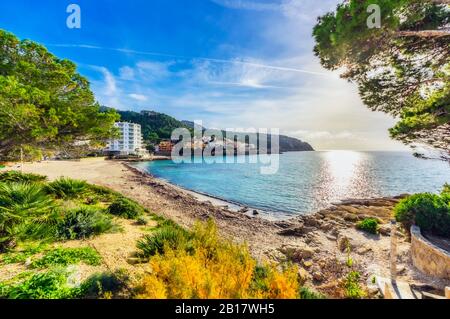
x=427, y=257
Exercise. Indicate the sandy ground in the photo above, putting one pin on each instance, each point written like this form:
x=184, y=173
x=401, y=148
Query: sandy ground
x=321, y=244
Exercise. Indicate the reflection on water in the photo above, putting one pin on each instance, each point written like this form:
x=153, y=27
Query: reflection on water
x=308, y=181
x=343, y=168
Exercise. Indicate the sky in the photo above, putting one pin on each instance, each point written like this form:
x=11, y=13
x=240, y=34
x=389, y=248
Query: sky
x=229, y=63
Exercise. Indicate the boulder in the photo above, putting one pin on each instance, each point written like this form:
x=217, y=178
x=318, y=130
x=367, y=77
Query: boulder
x=363, y=250
x=244, y=210
x=303, y=275
x=318, y=276
x=306, y=252
x=297, y=253
x=297, y=231
x=385, y=230
x=350, y=217
x=326, y=226
x=312, y=222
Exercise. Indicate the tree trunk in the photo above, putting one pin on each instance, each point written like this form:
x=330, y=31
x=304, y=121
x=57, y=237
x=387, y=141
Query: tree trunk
x=424, y=34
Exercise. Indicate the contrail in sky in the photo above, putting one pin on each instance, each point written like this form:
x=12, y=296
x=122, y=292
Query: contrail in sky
x=129, y=51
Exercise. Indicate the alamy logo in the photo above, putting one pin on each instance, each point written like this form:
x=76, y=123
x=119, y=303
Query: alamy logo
x=374, y=19
x=231, y=146
x=74, y=19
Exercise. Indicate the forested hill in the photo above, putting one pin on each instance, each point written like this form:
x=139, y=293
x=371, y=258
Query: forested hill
x=156, y=126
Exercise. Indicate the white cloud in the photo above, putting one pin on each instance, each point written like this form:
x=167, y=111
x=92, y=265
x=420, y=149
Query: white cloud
x=248, y=5
x=138, y=97
x=110, y=87
x=126, y=73
x=305, y=10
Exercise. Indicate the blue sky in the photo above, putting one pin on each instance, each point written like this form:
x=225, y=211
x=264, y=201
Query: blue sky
x=229, y=63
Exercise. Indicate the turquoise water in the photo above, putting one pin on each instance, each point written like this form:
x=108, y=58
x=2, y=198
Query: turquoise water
x=308, y=181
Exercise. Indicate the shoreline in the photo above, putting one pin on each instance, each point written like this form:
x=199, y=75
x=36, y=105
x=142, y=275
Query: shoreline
x=316, y=242
x=246, y=209
x=221, y=202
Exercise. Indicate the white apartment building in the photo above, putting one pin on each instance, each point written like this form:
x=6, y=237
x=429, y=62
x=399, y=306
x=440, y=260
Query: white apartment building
x=130, y=141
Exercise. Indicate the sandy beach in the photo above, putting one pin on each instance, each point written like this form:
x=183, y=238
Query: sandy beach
x=320, y=243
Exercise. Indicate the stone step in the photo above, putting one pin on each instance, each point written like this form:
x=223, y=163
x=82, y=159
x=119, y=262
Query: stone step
x=395, y=289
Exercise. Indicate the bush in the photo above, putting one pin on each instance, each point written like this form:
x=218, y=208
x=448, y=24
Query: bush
x=21, y=203
x=23, y=255
x=446, y=189
x=84, y=222
x=105, y=285
x=369, y=225
x=24, y=199
x=428, y=211
x=308, y=293
x=215, y=268
x=66, y=188
x=101, y=193
x=43, y=228
x=68, y=256
x=352, y=287
x=142, y=221
x=56, y=283
x=51, y=284
x=168, y=237
x=19, y=177
x=125, y=208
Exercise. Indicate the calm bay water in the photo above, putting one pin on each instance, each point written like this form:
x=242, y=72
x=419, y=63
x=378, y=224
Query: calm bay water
x=308, y=181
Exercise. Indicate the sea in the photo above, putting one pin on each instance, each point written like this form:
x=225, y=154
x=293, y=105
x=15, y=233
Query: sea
x=305, y=182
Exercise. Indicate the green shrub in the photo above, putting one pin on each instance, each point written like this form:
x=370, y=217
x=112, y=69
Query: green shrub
x=352, y=287
x=67, y=188
x=259, y=282
x=24, y=199
x=173, y=237
x=446, y=189
x=163, y=223
x=51, y=284
x=23, y=255
x=125, y=208
x=18, y=177
x=68, y=256
x=21, y=203
x=369, y=225
x=428, y=211
x=141, y=220
x=105, y=284
x=84, y=222
x=43, y=228
x=103, y=193
x=308, y=293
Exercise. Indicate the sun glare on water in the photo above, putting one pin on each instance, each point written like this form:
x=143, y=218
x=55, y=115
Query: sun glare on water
x=343, y=169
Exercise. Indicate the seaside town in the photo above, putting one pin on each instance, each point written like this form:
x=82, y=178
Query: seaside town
x=131, y=144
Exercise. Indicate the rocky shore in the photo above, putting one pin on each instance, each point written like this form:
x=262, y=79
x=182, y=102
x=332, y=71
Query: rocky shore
x=323, y=244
